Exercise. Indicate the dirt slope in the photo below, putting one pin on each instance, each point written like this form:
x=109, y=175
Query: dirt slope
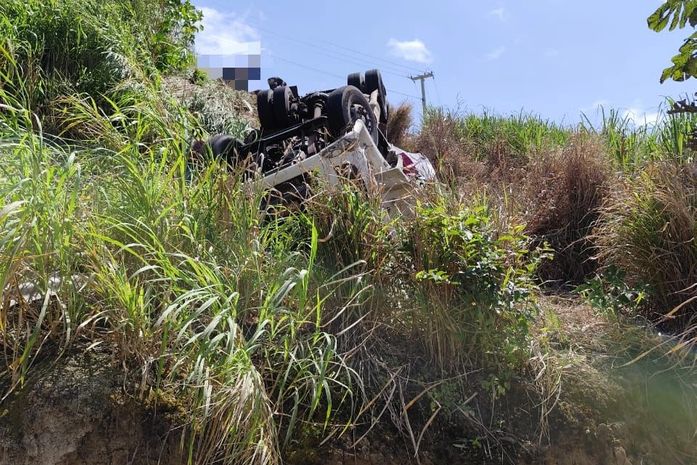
x=75, y=413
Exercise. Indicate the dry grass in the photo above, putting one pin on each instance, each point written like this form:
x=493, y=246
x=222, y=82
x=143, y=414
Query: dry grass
x=219, y=108
x=648, y=230
x=400, y=124
x=555, y=189
x=564, y=190
x=439, y=140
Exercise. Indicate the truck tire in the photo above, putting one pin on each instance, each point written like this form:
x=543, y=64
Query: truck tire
x=281, y=106
x=373, y=82
x=226, y=147
x=356, y=80
x=345, y=106
x=265, y=110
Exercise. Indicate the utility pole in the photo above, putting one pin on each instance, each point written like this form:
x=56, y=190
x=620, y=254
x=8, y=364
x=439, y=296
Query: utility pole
x=422, y=78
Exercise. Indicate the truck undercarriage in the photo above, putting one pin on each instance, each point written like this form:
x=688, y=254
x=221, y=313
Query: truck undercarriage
x=335, y=134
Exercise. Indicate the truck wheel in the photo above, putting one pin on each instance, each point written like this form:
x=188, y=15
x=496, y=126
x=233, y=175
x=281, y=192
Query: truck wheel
x=373, y=82
x=345, y=106
x=226, y=147
x=265, y=110
x=281, y=106
x=356, y=80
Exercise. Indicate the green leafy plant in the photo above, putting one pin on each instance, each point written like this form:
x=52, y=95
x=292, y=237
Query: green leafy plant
x=478, y=282
x=678, y=14
x=608, y=293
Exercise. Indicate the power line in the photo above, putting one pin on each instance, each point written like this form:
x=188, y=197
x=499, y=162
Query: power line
x=386, y=66
x=310, y=68
x=328, y=73
x=392, y=91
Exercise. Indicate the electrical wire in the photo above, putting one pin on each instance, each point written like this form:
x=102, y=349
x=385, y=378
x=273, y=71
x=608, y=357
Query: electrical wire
x=310, y=68
x=328, y=73
x=386, y=66
x=392, y=91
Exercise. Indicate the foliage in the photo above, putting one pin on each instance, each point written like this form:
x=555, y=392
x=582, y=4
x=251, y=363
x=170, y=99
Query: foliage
x=183, y=281
x=255, y=324
x=632, y=144
x=475, y=281
x=677, y=14
x=67, y=47
x=171, y=36
x=263, y=327
x=608, y=293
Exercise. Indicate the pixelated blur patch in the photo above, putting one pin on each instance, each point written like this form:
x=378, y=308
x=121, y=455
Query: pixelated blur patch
x=236, y=70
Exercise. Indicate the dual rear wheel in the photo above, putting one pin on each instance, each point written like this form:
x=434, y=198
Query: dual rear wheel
x=369, y=82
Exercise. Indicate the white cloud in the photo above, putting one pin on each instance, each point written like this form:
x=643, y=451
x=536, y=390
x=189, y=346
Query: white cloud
x=496, y=53
x=641, y=117
x=500, y=13
x=551, y=53
x=598, y=104
x=410, y=50
x=226, y=34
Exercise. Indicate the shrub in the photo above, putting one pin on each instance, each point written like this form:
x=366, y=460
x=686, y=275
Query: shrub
x=473, y=285
x=648, y=230
x=609, y=294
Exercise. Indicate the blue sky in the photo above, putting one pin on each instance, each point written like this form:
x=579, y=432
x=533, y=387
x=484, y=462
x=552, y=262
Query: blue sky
x=554, y=58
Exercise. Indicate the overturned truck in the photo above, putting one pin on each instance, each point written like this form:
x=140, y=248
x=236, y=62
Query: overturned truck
x=334, y=134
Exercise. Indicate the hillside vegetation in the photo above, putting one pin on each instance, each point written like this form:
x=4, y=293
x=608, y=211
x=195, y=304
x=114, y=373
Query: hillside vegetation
x=462, y=333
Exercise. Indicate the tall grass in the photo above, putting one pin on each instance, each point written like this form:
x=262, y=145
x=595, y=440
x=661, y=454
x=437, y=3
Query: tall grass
x=259, y=325
x=269, y=327
x=563, y=192
x=183, y=289
x=631, y=144
x=84, y=47
x=648, y=230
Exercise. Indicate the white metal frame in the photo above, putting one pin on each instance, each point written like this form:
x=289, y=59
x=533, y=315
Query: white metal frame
x=358, y=150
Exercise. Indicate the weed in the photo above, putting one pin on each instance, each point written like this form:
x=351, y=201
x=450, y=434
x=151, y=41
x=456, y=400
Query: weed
x=609, y=294
x=565, y=192
x=476, y=283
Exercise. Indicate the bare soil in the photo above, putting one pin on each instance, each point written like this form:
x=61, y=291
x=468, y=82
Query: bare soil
x=75, y=412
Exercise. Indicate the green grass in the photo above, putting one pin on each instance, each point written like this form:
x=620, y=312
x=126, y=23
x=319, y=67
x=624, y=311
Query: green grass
x=186, y=282
x=486, y=136
x=632, y=145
